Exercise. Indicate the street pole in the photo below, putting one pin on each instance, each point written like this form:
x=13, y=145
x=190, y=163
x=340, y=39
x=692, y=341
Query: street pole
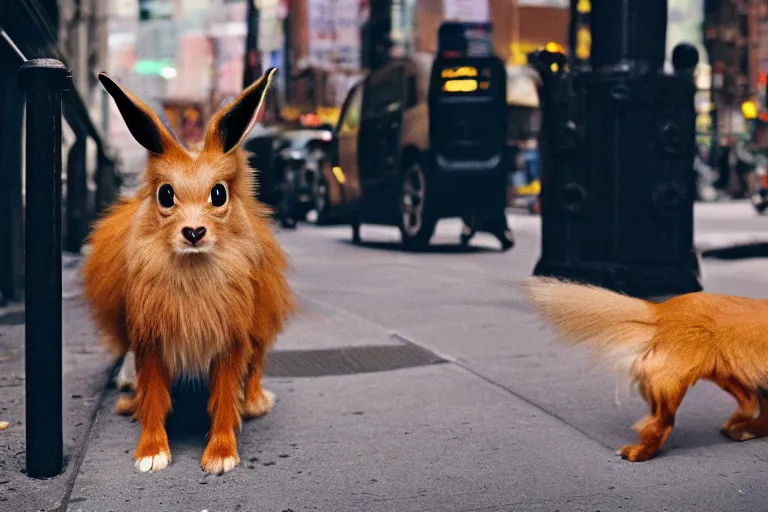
x=252, y=69
x=618, y=145
x=43, y=81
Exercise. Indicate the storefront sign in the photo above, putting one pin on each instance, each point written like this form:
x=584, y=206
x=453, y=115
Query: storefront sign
x=334, y=33
x=466, y=10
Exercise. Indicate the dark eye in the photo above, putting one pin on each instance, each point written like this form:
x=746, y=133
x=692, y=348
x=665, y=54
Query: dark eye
x=165, y=196
x=218, y=195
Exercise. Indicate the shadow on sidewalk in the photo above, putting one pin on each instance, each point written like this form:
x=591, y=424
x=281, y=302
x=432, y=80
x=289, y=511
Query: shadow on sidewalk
x=439, y=248
x=737, y=252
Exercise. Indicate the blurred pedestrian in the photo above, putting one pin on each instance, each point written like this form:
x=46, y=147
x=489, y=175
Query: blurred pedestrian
x=495, y=224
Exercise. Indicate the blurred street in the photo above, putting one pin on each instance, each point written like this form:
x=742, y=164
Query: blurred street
x=502, y=419
x=408, y=150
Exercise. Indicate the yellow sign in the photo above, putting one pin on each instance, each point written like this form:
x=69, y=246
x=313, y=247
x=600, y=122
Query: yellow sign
x=749, y=109
x=290, y=113
x=584, y=7
x=554, y=48
x=329, y=115
x=583, y=43
x=460, y=86
x=339, y=174
x=518, y=53
x=464, y=71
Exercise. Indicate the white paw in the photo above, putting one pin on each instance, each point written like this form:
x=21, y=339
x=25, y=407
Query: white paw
x=153, y=463
x=262, y=405
x=220, y=466
x=126, y=377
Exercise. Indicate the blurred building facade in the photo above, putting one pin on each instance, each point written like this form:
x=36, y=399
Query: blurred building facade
x=334, y=42
x=74, y=32
x=183, y=57
x=736, y=39
x=191, y=53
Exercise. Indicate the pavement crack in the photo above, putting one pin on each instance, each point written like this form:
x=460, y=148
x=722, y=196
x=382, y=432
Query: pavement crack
x=451, y=360
x=531, y=403
x=512, y=392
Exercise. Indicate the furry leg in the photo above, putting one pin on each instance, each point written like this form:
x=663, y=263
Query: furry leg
x=126, y=405
x=126, y=377
x=220, y=456
x=655, y=428
x=758, y=427
x=153, y=402
x=746, y=422
x=258, y=401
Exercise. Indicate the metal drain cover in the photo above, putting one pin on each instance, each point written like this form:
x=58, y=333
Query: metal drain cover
x=346, y=361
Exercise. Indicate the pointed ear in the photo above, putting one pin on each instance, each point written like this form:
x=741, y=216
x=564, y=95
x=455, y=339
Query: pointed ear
x=230, y=125
x=143, y=124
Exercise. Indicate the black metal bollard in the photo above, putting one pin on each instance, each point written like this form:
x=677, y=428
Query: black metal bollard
x=618, y=143
x=77, y=191
x=43, y=81
x=628, y=32
x=108, y=181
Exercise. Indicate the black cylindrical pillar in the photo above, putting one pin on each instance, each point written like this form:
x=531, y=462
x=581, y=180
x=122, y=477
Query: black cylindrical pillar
x=108, y=180
x=252, y=69
x=11, y=210
x=628, y=31
x=43, y=81
x=618, y=146
x=579, y=35
x=77, y=190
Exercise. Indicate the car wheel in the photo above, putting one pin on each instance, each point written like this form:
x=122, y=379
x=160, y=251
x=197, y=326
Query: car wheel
x=416, y=225
x=321, y=201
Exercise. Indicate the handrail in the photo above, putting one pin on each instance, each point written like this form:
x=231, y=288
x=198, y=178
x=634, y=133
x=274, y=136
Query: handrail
x=44, y=24
x=74, y=109
x=13, y=46
x=27, y=17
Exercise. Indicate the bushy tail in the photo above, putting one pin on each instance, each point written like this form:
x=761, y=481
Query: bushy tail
x=616, y=327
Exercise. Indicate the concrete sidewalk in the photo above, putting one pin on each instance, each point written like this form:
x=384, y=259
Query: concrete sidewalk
x=498, y=418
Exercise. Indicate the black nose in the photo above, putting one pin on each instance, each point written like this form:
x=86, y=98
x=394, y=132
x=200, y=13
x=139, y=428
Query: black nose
x=193, y=235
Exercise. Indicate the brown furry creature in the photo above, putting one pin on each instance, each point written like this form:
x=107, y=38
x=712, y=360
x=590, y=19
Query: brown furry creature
x=188, y=276
x=665, y=348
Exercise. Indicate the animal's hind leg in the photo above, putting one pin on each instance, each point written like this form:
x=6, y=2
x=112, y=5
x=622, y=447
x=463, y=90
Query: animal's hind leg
x=749, y=421
x=126, y=377
x=758, y=427
x=655, y=428
x=258, y=401
x=126, y=381
x=126, y=405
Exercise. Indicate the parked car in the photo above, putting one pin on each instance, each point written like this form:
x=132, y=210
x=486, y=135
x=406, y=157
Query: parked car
x=259, y=145
x=418, y=141
x=300, y=156
x=289, y=162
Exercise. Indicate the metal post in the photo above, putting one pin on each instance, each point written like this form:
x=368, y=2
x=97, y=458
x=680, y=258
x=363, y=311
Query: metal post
x=252, y=70
x=77, y=190
x=108, y=180
x=618, y=145
x=11, y=211
x=579, y=35
x=43, y=81
x=628, y=32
